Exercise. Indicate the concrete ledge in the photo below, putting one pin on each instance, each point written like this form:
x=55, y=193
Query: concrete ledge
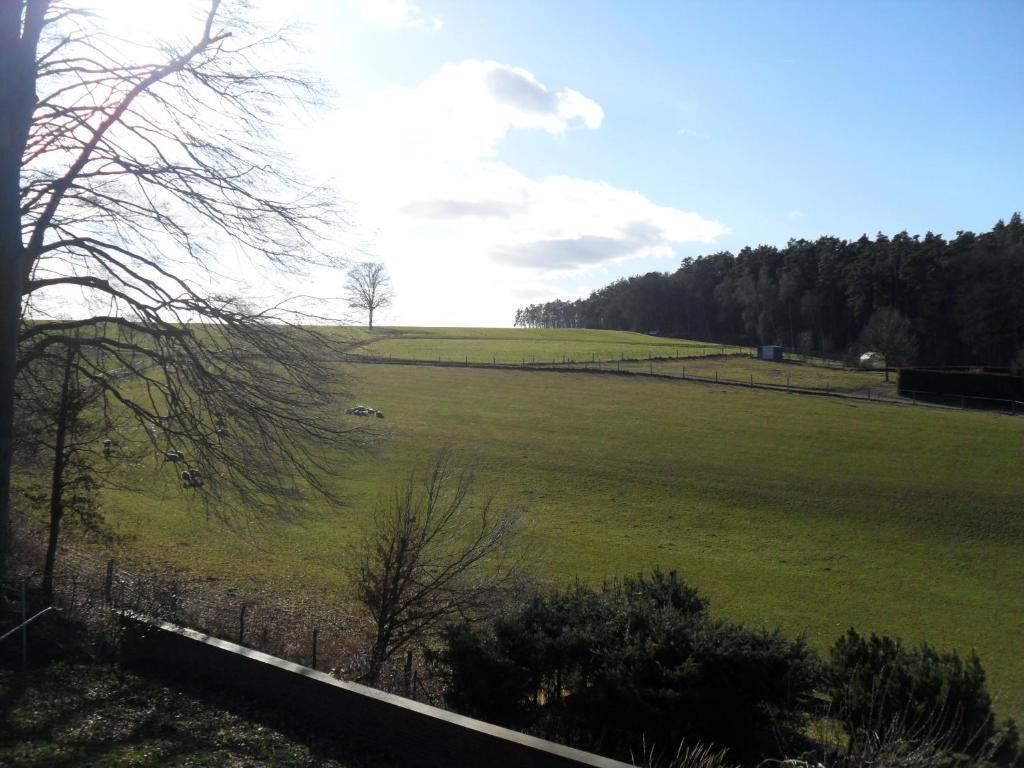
x=414, y=732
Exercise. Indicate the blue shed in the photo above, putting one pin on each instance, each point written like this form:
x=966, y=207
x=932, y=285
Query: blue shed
x=769, y=352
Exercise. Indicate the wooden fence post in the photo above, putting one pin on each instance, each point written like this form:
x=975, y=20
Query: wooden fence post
x=108, y=583
x=24, y=625
x=241, y=624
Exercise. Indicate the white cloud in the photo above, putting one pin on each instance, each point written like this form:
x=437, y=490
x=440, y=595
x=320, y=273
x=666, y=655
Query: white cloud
x=466, y=235
x=395, y=14
x=519, y=89
x=795, y=214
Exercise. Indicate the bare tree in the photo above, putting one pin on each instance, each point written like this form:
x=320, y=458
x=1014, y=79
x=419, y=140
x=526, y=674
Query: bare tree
x=1017, y=364
x=436, y=553
x=368, y=288
x=62, y=438
x=124, y=171
x=890, y=333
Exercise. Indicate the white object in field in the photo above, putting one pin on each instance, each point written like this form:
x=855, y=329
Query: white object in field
x=872, y=360
x=363, y=410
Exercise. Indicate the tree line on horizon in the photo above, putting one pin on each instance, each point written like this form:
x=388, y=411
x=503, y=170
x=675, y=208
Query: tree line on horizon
x=962, y=298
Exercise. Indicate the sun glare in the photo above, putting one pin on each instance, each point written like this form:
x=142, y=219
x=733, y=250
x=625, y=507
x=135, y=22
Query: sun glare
x=148, y=21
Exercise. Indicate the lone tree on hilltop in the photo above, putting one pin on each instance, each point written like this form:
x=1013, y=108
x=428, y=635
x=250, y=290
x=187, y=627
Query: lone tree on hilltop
x=125, y=169
x=368, y=288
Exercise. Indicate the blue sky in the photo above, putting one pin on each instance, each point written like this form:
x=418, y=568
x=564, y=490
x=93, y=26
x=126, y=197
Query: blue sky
x=758, y=121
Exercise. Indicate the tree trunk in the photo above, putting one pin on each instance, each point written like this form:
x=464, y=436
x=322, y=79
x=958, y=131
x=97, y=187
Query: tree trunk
x=10, y=311
x=371, y=318
x=60, y=462
x=378, y=655
x=56, y=513
x=20, y=26
x=373, y=670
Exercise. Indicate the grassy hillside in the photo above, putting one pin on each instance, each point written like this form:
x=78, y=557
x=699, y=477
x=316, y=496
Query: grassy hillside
x=810, y=513
x=795, y=373
x=516, y=345
x=585, y=347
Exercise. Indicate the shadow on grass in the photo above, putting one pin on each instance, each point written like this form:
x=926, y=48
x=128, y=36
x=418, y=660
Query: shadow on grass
x=91, y=715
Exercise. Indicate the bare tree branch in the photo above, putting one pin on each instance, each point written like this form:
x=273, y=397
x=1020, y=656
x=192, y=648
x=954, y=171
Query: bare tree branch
x=128, y=172
x=436, y=553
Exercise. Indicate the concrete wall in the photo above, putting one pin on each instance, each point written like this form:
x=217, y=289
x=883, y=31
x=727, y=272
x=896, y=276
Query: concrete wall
x=414, y=732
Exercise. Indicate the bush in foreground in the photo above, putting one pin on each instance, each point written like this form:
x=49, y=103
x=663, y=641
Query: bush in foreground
x=638, y=660
x=875, y=681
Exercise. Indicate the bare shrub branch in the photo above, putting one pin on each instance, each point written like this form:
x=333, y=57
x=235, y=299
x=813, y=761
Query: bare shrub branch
x=436, y=553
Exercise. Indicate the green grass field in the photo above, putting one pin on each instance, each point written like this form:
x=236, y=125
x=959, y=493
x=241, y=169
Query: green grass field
x=744, y=369
x=518, y=345
x=583, y=348
x=810, y=513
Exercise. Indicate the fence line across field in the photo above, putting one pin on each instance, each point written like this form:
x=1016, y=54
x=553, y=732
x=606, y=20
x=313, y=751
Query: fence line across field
x=870, y=393
x=89, y=588
x=516, y=361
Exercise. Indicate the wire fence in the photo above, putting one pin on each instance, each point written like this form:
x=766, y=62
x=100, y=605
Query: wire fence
x=814, y=375
x=505, y=360
x=90, y=590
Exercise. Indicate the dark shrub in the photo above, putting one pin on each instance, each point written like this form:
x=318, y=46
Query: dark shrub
x=873, y=681
x=638, y=660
